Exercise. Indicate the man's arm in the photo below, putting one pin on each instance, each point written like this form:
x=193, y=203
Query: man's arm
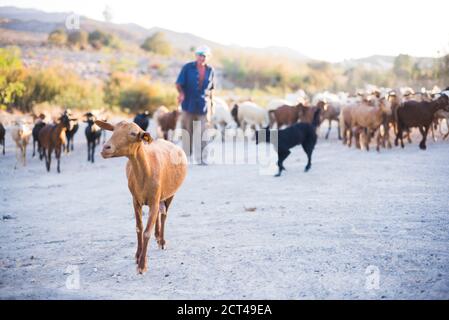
x=180, y=93
x=180, y=82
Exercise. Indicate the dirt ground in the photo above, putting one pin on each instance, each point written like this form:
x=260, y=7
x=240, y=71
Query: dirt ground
x=359, y=225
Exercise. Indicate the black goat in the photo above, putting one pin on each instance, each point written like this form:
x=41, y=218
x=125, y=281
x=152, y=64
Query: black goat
x=70, y=134
x=36, y=129
x=298, y=134
x=93, y=134
x=142, y=120
x=2, y=137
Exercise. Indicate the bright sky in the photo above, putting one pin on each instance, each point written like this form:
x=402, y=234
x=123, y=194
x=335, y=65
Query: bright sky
x=331, y=30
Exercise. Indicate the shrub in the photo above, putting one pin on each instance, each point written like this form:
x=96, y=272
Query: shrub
x=157, y=44
x=78, y=39
x=57, y=37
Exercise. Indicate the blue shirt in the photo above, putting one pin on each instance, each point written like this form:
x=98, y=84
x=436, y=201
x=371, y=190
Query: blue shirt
x=195, y=97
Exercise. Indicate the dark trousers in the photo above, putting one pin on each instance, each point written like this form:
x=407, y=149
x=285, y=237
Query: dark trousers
x=194, y=125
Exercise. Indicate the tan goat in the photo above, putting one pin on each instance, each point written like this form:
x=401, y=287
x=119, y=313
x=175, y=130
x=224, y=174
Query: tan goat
x=155, y=171
x=21, y=134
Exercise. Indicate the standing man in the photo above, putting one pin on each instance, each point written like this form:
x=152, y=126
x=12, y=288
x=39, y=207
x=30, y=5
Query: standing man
x=195, y=84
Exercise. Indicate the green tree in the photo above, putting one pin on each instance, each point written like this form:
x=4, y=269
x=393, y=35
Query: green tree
x=157, y=44
x=403, y=66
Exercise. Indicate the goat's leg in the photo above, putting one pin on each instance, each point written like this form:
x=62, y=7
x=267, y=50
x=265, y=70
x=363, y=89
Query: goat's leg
x=24, y=155
x=409, y=135
x=17, y=156
x=163, y=219
x=424, y=131
x=34, y=148
x=367, y=138
x=380, y=140
x=58, y=158
x=88, y=151
x=93, y=152
x=338, y=128
x=282, y=155
x=48, y=159
x=433, y=132
x=308, y=148
x=350, y=134
x=328, y=129
x=154, y=212
x=139, y=228
x=386, y=137
x=400, y=136
x=160, y=220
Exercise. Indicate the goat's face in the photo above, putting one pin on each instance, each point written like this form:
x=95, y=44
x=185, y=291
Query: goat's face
x=442, y=101
x=125, y=139
x=65, y=120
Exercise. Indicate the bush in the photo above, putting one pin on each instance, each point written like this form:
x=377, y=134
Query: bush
x=99, y=39
x=57, y=37
x=78, y=39
x=157, y=44
x=142, y=95
x=11, y=77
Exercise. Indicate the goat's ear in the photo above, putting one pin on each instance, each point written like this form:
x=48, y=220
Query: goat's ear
x=104, y=125
x=145, y=136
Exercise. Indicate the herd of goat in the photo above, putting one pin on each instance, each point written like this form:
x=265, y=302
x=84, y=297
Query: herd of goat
x=379, y=113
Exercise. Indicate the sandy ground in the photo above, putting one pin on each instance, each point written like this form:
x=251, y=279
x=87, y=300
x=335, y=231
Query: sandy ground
x=359, y=225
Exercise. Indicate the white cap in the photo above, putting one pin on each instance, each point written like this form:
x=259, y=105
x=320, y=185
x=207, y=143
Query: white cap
x=203, y=50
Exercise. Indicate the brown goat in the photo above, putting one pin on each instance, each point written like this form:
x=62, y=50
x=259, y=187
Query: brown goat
x=306, y=113
x=155, y=171
x=346, y=131
x=53, y=137
x=285, y=115
x=167, y=121
x=330, y=113
x=418, y=114
x=370, y=118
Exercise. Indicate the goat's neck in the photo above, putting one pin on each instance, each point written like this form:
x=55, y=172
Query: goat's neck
x=434, y=106
x=60, y=128
x=139, y=162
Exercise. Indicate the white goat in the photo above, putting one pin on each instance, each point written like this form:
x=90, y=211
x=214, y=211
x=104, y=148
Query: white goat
x=21, y=134
x=249, y=114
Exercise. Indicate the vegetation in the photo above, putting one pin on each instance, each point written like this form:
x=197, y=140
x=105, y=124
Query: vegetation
x=157, y=44
x=57, y=37
x=78, y=39
x=247, y=76
x=81, y=39
x=138, y=94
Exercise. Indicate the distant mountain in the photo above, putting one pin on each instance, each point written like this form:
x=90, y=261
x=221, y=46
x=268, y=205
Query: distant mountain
x=382, y=62
x=32, y=14
x=36, y=21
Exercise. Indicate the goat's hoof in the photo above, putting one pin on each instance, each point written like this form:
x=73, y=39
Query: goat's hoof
x=161, y=244
x=277, y=174
x=422, y=146
x=306, y=169
x=137, y=256
x=142, y=268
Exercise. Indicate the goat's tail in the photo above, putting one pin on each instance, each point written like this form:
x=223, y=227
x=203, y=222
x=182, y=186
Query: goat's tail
x=316, y=118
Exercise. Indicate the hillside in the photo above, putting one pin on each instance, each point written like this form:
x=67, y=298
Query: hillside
x=27, y=22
